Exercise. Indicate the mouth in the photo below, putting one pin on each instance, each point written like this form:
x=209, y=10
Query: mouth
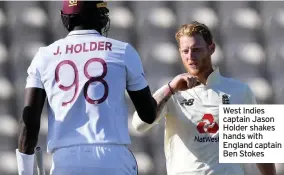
x=193, y=65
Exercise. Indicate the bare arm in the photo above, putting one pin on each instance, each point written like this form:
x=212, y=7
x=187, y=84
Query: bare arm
x=30, y=120
x=179, y=83
x=267, y=168
x=161, y=97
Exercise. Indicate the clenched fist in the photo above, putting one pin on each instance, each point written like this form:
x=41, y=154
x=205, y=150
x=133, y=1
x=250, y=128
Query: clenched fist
x=183, y=82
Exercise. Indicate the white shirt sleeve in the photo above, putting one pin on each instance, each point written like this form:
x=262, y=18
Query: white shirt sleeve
x=34, y=73
x=141, y=126
x=250, y=97
x=135, y=73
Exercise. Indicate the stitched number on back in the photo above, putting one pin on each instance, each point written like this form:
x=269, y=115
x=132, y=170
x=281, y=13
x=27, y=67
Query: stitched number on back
x=95, y=79
x=75, y=82
x=91, y=79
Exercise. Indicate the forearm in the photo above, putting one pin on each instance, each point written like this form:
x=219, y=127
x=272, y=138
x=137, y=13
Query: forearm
x=29, y=130
x=267, y=168
x=28, y=139
x=161, y=96
x=25, y=152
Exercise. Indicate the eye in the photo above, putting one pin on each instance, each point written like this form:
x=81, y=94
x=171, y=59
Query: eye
x=196, y=49
x=185, y=51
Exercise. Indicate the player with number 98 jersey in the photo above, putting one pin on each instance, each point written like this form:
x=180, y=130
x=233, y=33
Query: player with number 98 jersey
x=84, y=77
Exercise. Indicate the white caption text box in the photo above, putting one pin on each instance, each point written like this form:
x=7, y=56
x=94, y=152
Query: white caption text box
x=236, y=123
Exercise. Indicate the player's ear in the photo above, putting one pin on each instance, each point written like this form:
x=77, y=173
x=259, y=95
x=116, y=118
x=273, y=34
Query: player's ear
x=212, y=48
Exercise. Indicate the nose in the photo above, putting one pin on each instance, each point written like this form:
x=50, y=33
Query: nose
x=191, y=56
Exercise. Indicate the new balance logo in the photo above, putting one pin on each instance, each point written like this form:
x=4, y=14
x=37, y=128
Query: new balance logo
x=188, y=102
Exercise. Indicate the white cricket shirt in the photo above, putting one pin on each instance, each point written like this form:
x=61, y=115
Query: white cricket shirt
x=85, y=76
x=191, y=128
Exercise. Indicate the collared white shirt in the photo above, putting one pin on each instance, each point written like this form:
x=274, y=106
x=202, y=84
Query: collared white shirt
x=85, y=76
x=191, y=128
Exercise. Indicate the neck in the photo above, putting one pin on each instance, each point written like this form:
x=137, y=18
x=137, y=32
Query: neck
x=79, y=28
x=204, y=75
x=84, y=28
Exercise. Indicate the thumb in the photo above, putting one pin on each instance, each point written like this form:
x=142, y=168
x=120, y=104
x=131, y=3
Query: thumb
x=197, y=82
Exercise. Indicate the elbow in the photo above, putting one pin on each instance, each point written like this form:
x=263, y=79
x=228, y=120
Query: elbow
x=149, y=117
x=148, y=112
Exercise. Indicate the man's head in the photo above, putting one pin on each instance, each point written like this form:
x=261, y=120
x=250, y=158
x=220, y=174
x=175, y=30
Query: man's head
x=86, y=14
x=196, y=47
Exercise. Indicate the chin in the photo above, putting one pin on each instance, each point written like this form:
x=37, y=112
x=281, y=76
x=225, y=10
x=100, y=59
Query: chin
x=193, y=72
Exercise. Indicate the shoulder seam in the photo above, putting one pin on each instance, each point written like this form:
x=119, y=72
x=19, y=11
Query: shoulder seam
x=123, y=55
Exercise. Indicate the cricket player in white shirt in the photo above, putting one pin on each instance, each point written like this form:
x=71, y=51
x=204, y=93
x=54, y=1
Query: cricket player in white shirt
x=84, y=77
x=190, y=105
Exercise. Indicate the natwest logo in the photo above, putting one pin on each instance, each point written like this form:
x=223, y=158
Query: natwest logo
x=207, y=124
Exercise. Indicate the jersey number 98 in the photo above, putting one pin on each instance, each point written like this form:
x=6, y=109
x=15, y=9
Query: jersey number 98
x=91, y=79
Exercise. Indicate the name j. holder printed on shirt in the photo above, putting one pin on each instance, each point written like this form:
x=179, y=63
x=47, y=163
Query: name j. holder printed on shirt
x=251, y=134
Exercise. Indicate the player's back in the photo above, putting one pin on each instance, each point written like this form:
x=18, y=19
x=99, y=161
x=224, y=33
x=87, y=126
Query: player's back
x=85, y=77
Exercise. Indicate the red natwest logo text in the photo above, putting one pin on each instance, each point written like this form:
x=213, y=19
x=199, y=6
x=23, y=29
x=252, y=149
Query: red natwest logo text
x=207, y=125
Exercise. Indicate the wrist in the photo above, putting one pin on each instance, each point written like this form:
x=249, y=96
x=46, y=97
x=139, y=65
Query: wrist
x=25, y=163
x=172, y=91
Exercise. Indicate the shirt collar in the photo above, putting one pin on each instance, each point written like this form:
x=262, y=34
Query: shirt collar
x=83, y=32
x=214, y=77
